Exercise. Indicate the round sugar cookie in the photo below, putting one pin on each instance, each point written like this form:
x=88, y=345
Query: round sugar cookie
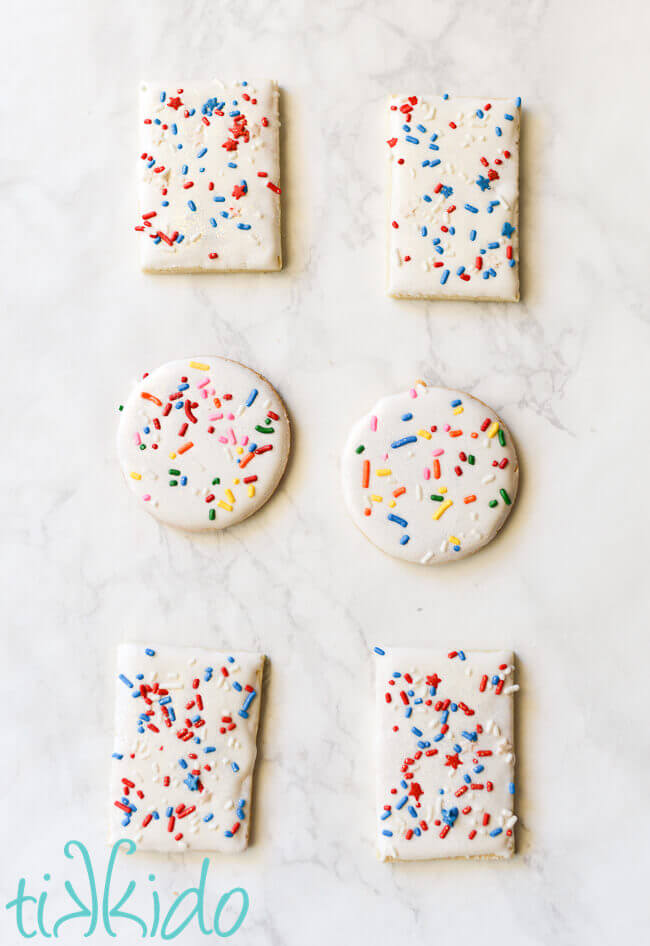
x=430, y=475
x=203, y=442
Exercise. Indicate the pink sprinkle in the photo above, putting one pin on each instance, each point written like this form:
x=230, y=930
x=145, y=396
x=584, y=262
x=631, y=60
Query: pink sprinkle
x=233, y=439
x=427, y=473
x=438, y=453
x=385, y=456
x=373, y=422
x=244, y=441
x=136, y=437
x=203, y=383
x=230, y=416
x=147, y=497
x=215, y=417
x=223, y=440
x=413, y=392
x=447, y=426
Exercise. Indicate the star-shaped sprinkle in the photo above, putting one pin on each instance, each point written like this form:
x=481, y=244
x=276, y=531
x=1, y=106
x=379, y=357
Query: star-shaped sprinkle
x=483, y=183
x=174, y=102
x=453, y=760
x=416, y=790
x=433, y=680
x=508, y=230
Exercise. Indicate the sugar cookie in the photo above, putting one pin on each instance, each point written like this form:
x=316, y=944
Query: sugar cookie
x=209, y=163
x=184, y=750
x=203, y=442
x=453, y=219
x=430, y=475
x=445, y=770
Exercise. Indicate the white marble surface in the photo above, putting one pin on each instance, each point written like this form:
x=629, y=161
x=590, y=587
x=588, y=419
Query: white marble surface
x=565, y=585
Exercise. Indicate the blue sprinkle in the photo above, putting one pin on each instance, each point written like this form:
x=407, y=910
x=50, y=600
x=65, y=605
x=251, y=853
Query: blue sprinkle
x=406, y=127
x=444, y=277
x=402, y=443
x=182, y=763
x=478, y=769
x=493, y=246
x=164, y=700
x=433, y=147
x=445, y=96
x=237, y=686
x=444, y=717
x=400, y=804
x=243, y=226
x=149, y=651
x=251, y=397
x=496, y=832
x=511, y=788
x=498, y=131
x=407, y=416
x=118, y=755
x=416, y=731
x=508, y=117
x=426, y=198
x=411, y=140
x=387, y=833
x=434, y=164
x=219, y=200
x=183, y=481
x=421, y=128
x=412, y=812
x=404, y=541
x=423, y=231
x=213, y=221
x=385, y=815
x=456, y=402
x=191, y=205
x=169, y=812
x=202, y=152
x=472, y=235
x=126, y=680
x=184, y=169
x=378, y=650
x=180, y=238
x=208, y=817
x=480, y=113
x=230, y=660
x=471, y=208
x=398, y=519
x=452, y=230
x=460, y=270
x=174, y=129
x=207, y=749
x=461, y=655
x=440, y=736
x=163, y=96
x=518, y=101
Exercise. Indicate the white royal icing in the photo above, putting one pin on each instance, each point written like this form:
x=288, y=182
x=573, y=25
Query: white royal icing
x=209, y=195
x=203, y=442
x=184, y=750
x=453, y=226
x=445, y=767
x=430, y=475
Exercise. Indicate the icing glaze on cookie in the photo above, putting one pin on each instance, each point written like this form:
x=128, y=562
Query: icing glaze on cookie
x=209, y=162
x=445, y=776
x=184, y=749
x=203, y=442
x=454, y=197
x=430, y=475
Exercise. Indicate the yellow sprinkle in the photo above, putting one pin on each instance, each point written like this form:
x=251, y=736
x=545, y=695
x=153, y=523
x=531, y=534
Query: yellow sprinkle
x=240, y=450
x=235, y=481
x=384, y=472
x=251, y=490
x=492, y=429
x=199, y=365
x=443, y=490
x=392, y=503
x=172, y=455
x=445, y=506
x=454, y=540
x=377, y=499
x=459, y=409
x=136, y=476
x=223, y=505
x=229, y=496
x=425, y=434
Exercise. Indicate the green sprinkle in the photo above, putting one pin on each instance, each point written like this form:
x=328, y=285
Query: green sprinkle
x=360, y=448
x=471, y=459
x=174, y=472
x=143, y=446
x=502, y=437
x=173, y=482
x=505, y=497
x=121, y=407
x=216, y=481
x=264, y=430
x=436, y=498
x=493, y=503
x=212, y=514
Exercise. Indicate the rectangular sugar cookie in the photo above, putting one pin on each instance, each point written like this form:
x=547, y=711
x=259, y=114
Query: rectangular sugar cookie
x=453, y=198
x=445, y=768
x=209, y=165
x=185, y=746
